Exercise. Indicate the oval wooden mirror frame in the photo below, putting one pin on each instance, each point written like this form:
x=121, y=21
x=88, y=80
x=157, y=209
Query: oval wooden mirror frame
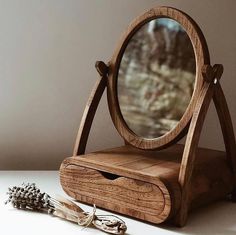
x=201, y=57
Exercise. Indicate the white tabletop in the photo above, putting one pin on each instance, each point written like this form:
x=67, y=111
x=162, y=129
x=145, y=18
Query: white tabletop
x=217, y=219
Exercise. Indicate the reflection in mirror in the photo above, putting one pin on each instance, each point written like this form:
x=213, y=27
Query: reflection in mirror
x=156, y=78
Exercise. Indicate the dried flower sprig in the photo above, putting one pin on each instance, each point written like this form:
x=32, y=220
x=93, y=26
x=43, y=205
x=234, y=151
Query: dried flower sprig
x=29, y=197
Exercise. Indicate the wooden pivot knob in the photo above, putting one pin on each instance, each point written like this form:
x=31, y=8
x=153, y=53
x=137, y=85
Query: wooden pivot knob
x=212, y=73
x=102, y=68
x=218, y=70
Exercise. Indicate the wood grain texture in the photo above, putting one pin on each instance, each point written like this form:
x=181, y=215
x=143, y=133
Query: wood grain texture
x=139, y=198
x=191, y=144
x=90, y=109
x=155, y=186
x=144, y=184
x=202, y=58
x=212, y=76
x=227, y=130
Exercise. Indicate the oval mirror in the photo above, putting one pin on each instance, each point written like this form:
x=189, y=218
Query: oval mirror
x=156, y=78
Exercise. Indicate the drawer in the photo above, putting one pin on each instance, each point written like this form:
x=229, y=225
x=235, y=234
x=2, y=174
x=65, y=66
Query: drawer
x=133, y=197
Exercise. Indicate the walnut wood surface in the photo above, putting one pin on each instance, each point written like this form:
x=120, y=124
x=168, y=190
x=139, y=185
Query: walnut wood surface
x=144, y=184
x=201, y=56
x=211, y=88
x=227, y=129
x=191, y=145
x=90, y=109
x=155, y=185
x=92, y=187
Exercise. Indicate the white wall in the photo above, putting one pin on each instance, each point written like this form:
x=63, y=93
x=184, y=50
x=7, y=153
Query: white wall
x=47, y=53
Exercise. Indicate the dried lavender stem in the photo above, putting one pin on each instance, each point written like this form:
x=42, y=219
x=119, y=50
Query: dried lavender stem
x=29, y=197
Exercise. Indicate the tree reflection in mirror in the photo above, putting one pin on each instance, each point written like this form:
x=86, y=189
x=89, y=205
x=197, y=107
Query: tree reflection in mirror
x=156, y=78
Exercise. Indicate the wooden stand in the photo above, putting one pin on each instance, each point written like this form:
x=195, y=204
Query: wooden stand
x=155, y=186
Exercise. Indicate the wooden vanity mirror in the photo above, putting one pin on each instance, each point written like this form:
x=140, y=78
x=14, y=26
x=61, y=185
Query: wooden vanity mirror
x=159, y=84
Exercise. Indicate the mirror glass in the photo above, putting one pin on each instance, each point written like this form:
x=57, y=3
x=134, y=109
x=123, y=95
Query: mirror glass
x=156, y=78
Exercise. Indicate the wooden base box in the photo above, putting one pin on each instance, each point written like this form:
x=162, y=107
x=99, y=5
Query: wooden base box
x=144, y=184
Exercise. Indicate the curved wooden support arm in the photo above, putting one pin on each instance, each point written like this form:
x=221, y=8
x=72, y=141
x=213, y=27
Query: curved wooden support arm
x=191, y=145
x=90, y=109
x=227, y=128
x=211, y=76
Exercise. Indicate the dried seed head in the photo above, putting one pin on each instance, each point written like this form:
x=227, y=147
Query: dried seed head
x=29, y=197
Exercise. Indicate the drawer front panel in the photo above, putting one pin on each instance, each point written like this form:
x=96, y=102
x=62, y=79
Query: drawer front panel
x=124, y=195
